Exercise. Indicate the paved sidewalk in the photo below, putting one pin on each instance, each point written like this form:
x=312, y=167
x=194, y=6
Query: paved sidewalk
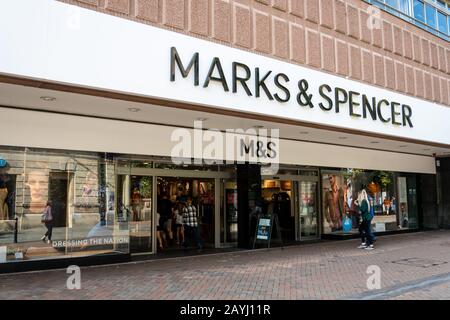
x=413, y=266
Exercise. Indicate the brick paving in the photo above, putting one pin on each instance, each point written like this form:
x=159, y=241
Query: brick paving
x=413, y=266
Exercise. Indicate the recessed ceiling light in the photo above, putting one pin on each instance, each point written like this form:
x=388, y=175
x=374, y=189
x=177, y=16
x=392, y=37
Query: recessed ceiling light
x=47, y=98
x=134, y=109
x=304, y=132
x=374, y=142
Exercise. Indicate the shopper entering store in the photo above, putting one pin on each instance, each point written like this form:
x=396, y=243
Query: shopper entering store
x=190, y=222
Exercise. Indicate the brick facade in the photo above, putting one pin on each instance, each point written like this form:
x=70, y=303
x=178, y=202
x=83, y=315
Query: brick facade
x=331, y=35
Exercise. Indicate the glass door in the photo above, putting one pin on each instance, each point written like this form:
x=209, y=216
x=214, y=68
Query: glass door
x=308, y=214
x=229, y=214
x=135, y=208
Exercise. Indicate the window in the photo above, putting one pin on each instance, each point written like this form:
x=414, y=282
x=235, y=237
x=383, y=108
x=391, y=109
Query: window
x=442, y=22
x=404, y=6
x=431, y=16
x=392, y=3
x=419, y=10
x=441, y=3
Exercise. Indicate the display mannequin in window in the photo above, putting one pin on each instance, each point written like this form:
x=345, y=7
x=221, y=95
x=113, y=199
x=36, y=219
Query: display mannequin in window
x=3, y=204
x=136, y=201
x=334, y=204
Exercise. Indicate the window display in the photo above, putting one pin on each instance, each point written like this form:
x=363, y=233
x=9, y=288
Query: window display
x=73, y=191
x=341, y=189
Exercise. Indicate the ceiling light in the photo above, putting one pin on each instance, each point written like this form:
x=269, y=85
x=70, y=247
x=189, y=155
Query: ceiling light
x=47, y=98
x=134, y=109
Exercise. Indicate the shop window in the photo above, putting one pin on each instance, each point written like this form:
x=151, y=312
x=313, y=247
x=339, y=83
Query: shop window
x=79, y=189
x=341, y=213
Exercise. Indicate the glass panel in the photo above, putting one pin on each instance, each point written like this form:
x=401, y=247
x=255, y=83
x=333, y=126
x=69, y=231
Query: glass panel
x=230, y=219
x=277, y=196
x=404, y=6
x=72, y=192
x=340, y=211
x=136, y=203
x=308, y=213
x=419, y=10
x=392, y=3
x=442, y=22
x=441, y=3
x=431, y=16
x=407, y=200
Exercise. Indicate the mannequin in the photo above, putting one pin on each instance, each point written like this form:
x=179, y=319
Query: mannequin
x=3, y=205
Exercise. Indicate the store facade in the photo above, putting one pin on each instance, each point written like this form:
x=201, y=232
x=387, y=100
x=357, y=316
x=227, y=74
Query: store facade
x=109, y=133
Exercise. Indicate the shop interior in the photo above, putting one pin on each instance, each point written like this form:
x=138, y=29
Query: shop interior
x=172, y=196
x=277, y=196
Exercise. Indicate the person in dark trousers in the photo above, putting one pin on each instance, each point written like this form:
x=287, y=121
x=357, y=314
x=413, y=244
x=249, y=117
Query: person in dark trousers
x=190, y=223
x=47, y=219
x=165, y=211
x=365, y=228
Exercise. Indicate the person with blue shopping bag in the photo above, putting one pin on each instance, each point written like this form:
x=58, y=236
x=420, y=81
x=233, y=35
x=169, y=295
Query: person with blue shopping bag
x=365, y=227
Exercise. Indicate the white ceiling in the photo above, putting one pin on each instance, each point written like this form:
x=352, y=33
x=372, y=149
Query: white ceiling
x=29, y=98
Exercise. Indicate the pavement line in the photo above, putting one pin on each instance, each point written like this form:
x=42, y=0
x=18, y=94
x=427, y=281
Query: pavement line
x=403, y=288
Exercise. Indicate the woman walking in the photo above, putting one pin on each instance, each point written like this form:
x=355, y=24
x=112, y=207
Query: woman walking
x=365, y=228
x=47, y=220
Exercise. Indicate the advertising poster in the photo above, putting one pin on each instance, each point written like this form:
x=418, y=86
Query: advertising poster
x=263, y=231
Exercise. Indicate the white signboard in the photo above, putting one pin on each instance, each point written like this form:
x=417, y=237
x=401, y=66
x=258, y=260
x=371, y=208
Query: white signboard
x=54, y=41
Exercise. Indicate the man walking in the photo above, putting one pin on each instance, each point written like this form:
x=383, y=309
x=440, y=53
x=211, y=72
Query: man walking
x=190, y=222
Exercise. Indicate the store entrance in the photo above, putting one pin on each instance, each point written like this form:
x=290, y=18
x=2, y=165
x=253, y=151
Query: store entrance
x=185, y=213
x=277, y=196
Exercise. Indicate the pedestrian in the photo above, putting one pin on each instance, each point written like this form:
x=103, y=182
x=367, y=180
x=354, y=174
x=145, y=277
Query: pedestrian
x=178, y=213
x=47, y=220
x=367, y=237
x=190, y=222
x=362, y=225
x=159, y=232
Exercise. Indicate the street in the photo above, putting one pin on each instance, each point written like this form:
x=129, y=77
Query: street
x=412, y=266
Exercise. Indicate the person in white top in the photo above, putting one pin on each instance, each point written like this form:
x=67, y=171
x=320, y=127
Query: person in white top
x=178, y=213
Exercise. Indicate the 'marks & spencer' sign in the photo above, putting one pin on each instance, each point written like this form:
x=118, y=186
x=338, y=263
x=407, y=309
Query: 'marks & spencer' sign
x=257, y=83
